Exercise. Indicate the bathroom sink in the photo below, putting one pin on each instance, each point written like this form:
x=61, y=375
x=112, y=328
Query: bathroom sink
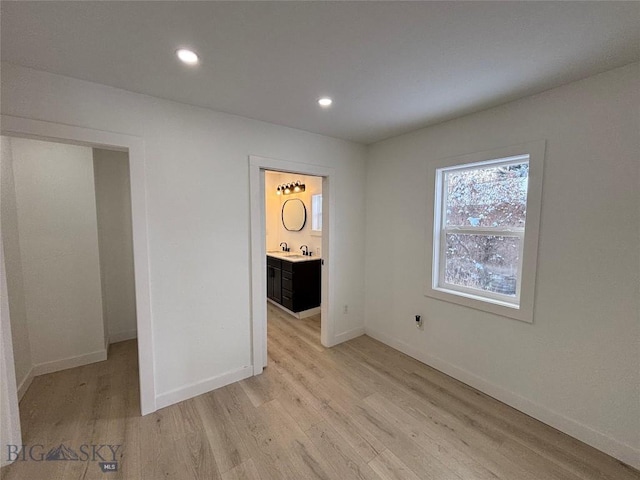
x=295, y=256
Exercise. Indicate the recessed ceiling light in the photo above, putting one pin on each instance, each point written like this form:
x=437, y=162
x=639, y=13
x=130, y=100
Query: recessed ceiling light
x=187, y=56
x=325, y=102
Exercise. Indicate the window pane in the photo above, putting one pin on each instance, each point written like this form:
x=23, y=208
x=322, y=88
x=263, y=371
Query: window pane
x=487, y=197
x=316, y=215
x=485, y=262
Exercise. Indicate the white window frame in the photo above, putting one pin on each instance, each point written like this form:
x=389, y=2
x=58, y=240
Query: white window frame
x=521, y=306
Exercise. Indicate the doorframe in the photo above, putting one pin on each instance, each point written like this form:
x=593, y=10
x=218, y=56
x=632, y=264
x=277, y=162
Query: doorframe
x=257, y=167
x=11, y=432
x=56, y=132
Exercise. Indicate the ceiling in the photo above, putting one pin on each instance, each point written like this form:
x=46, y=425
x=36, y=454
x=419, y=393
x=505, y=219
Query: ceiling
x=391, y=67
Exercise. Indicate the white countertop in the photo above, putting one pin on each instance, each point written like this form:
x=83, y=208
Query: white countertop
x=291, y=256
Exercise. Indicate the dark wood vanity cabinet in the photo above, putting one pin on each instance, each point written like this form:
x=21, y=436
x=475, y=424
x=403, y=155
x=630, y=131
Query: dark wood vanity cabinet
x=274, y=277
x=294, y=285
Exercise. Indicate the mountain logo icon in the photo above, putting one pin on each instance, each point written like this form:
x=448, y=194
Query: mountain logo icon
x=61, y=452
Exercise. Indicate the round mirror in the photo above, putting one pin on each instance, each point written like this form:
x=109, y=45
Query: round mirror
x=294, y=215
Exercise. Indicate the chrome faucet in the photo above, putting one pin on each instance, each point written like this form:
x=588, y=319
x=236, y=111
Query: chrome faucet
x=305, y=250
x=286, y=247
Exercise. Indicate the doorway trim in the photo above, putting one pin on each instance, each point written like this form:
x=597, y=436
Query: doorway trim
x=56, y=132
x=257, y=167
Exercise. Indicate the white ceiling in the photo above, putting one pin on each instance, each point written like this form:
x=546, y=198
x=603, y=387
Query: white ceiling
x=391, y=67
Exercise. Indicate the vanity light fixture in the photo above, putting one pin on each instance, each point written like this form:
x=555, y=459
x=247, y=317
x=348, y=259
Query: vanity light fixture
x=289, y=188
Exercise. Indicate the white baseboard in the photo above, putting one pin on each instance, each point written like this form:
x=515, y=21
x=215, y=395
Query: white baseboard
x=348, y=335
x=24, y=385
x=204, y=386
x=625, y=453
x=122, y=336
x=71, y=362
x=299, y=315
x=309, y=313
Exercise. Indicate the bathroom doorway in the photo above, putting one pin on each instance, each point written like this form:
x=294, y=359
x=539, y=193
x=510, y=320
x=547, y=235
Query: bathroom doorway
x=293, y=242
x=290, y=241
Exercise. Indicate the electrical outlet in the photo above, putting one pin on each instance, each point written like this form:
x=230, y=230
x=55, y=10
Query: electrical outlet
x=419, y=323
x=345, y=309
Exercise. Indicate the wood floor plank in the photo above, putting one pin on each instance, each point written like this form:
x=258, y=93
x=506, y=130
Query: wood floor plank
x=245, y=471
x=253, y=426
x=390, y=467
x=345, y=460
x=300, y=451
x=225, y=442
x=524, y=447
x=192, y=442
x=461, y=452
x=360, y=410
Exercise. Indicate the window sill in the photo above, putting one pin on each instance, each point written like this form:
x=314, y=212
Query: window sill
x=489, y=305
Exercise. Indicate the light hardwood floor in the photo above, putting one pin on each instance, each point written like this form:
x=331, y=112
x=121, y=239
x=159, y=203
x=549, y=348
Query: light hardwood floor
x=360, y=410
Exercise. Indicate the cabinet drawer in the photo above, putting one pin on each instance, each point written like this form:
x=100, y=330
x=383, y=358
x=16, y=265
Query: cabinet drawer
x=287, y=266
x=274, y=262
x=287, y=299
x=287, y=282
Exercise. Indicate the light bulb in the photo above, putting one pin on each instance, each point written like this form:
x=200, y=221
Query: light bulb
x=187, y=56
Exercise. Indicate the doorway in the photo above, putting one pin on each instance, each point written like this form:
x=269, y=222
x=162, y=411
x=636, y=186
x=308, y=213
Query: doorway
x=134, y=146
x=293, y=233
x=258, y=167
x=68, y=257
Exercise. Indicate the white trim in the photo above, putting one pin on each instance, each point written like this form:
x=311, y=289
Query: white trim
x=299, y=315
x=349, y=335
x=309, y=313
x=9, y=411
x=24, y=127
x=70, y=362
x=625, y=453
x=486, y=301
x=24, y=385
x=257, y=167
x=198, y=388
x=467, y=292
x=122, y=336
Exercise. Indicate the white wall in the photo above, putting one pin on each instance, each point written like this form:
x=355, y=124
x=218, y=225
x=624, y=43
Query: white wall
x=276, y=233
x=15, y=281
x=198, y=211
x=272, y=205
x=113, y=204
x=58, y=235
x=577, y=366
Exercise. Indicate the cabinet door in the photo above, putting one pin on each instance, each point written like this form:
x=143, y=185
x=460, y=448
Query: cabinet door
x=277, y=285
x=270, y=282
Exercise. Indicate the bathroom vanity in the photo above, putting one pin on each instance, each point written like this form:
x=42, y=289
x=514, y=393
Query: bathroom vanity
x=293, y=281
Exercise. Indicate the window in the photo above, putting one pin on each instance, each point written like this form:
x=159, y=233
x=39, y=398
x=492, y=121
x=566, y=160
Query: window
x=482, y=221
x=316, y=213
x=485, y=227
